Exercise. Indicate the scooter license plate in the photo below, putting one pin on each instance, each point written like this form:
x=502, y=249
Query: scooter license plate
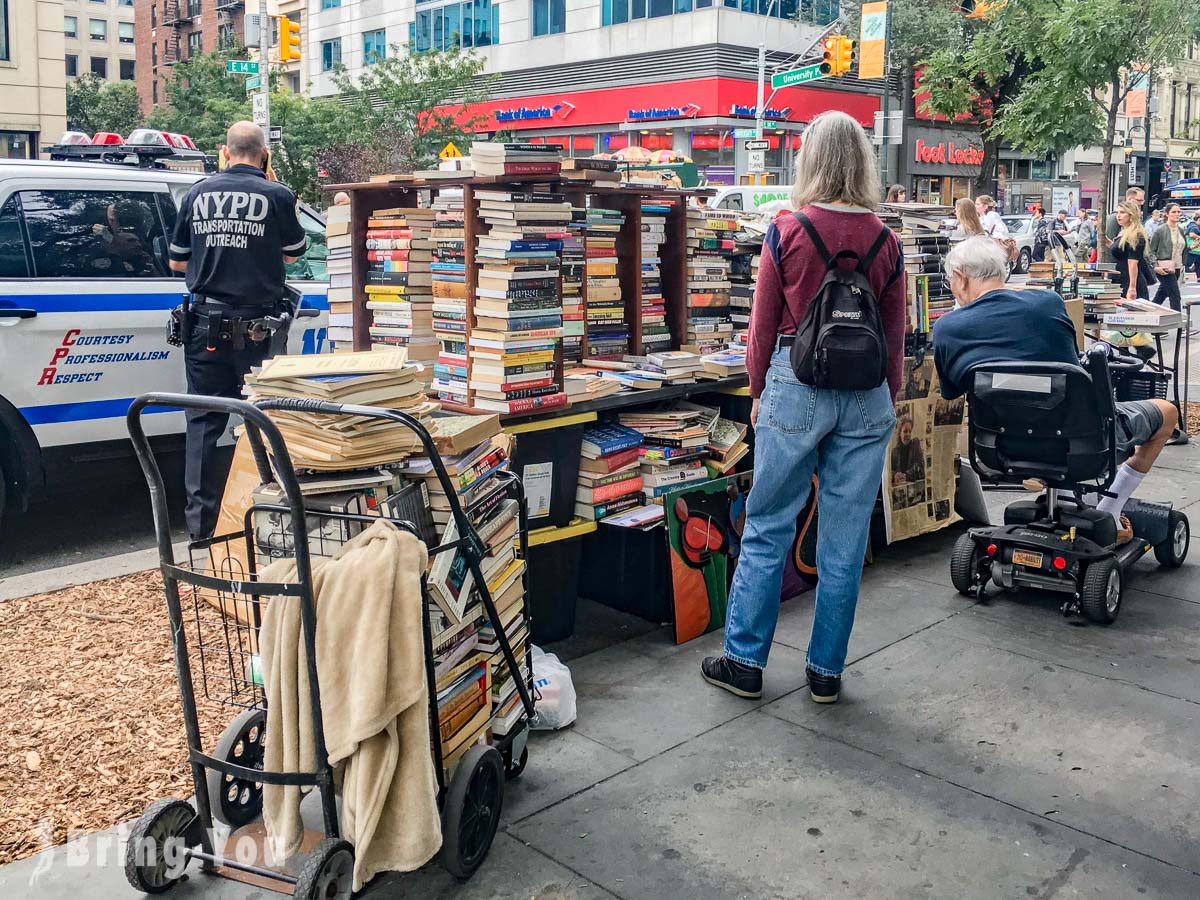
x=1025, y=558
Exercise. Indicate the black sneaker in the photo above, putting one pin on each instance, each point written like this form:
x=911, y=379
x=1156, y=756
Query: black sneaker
x=745, y=681
x=823, y=688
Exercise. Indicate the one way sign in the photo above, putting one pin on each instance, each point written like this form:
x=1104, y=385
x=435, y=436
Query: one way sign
x=758, y=145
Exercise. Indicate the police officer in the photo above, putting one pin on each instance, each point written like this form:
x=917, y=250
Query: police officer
x=234, y=234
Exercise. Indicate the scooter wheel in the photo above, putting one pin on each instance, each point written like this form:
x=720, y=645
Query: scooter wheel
x=1100, y=597
x=1173, y=551
x=964, y=563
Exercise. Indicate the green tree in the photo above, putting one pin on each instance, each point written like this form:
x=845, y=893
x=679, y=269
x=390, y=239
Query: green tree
x=94, y=104
x=203, y=100
x=309, y=126
x=409, y=105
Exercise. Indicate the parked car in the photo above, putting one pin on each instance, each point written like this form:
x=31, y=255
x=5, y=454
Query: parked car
x=1022, y=230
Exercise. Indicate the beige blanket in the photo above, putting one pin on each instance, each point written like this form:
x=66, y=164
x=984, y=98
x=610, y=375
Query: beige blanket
x=374, y=700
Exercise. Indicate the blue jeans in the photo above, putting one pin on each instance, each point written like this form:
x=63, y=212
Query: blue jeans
x=843, y=435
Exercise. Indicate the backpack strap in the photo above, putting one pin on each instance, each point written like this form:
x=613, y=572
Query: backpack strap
x=814, y=237
x=867, y=260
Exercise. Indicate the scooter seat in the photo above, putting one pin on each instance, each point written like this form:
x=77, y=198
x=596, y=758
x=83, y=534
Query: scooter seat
x=1097, y=526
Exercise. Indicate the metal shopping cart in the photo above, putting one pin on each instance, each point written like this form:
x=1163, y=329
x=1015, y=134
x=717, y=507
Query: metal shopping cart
x=219, y=622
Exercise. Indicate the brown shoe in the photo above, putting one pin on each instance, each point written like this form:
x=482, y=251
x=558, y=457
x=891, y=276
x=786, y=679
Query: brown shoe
x=1034, y=485
x=1125, y=531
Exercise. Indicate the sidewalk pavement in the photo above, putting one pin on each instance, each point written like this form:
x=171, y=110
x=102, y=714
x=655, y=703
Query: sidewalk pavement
x=981, y=750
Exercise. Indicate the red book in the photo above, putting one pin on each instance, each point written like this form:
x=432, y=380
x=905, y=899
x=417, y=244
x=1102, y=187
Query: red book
x=380, y=255
x=531, y=168
x=513, y=387
x=601, y=251
x=609, y=491
x=388, y=234
x=606, y=464
x=526, y=404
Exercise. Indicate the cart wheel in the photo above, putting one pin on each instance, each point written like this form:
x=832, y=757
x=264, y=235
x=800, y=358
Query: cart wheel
x=156, y=853
x=512, y=771
x=1100, y=597
x=235, y=801
x=964, y=563
x=471, y=811
x=1172, y=552
x=328, y=872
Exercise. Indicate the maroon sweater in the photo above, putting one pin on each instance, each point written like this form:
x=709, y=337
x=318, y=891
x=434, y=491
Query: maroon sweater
x=791, y=273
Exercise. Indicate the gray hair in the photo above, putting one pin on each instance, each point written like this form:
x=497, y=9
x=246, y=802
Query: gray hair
x=836, y=163
x=979, y=258
x=245, y=140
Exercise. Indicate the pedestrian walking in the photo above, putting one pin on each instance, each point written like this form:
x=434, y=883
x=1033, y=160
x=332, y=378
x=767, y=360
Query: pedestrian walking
x=1129, y=250
x=1041, y=235
x=897, y=194
x=990, y=218
x=841, y=433
x=1087, y=238
x=1153, y=222
x=1112, y=227
x=1193, y=245
x=233, y=235
x=1168, y=246
x=969, y=223
x=1059, y=231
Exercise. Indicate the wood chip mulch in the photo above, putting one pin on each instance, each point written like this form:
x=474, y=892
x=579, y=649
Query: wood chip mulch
x=93, y=730
x=1193, y=418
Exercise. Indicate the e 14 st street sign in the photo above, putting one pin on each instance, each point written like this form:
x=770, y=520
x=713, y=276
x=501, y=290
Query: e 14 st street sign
x=796, y=76
x=241, y=67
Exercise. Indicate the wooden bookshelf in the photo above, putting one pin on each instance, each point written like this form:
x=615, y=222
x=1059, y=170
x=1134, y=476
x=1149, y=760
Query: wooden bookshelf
x=367, y=197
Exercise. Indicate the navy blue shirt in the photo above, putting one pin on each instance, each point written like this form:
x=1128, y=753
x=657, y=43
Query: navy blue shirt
x=1001, y=326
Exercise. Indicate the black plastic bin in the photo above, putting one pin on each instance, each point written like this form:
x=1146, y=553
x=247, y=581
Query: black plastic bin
x=548, y=459
x=628, y=569
x=553, y=587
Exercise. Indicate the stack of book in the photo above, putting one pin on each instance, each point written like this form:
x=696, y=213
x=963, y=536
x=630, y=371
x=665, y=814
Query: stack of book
x=674, y=447
x=655, y=333
x=518, y=304
x=710, y=246
x=509, y=599
x=448, y=272
x=724, y=363
x=397, y=283
x=338, y=265
x=929, y=296
x=743, y=275
x=610, y=479
x=572, y=288
x=726, y=445
x=337, y=443
x=607, y=331
x=1142, y=314
x=1099, y=294
x=464, y=692
x=500, y=159
x=590, y=170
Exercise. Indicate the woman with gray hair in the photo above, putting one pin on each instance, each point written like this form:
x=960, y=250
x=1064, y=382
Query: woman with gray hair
x=799, y=428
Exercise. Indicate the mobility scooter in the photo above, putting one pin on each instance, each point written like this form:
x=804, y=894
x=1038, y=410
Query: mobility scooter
x=1056, y=423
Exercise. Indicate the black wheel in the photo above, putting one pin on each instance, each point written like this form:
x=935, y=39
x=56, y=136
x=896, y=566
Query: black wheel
x=1173, y=551
x=513, y=770
x=1100, y=597
x=156, y=854
x=472, y=811
x=1023, y=261
x=964, y=563
x=235, y=801
x=328, y=872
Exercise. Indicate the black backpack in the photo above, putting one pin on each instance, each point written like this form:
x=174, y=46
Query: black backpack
x=840, y=342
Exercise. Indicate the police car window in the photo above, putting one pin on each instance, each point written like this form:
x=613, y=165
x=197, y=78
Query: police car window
x=311, y=264
x=95, y=234
x=13, y=263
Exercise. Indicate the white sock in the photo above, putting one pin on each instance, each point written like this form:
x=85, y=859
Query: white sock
x=1126, y=482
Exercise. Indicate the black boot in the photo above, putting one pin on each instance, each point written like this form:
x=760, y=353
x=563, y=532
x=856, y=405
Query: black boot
x=743, y=680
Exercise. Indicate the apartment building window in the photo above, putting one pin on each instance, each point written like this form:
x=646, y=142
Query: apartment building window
x=154, y=91
x=195, y=43
x=374, y=46
x=227, y=36
x=193, y=8
x=100, y=66
x=550, y=17
x=98, y=28
x=125, y=32
x=72, y=65
x=4, y=29
x=154, y=56
x=154, y=15
x=71, y=26
x=472, y=24
x=128, y=69
x=330, y=4
x=128, y=3
x=331, y=54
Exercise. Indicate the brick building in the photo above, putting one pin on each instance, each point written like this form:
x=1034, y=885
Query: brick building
x=166, y=31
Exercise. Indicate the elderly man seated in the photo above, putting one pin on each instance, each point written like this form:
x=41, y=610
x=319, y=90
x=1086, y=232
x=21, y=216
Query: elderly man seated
x=991, y=323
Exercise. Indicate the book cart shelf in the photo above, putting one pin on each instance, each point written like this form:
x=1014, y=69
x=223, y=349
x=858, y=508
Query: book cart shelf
x=367, y=197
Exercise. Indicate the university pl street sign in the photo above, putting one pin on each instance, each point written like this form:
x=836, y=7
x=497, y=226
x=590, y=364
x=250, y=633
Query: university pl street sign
x=796, y=76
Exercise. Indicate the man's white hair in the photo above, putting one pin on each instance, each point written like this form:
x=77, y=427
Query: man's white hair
x=979, y=258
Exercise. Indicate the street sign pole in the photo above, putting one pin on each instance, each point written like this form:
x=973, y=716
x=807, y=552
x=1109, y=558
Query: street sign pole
x=887, y=96
x=264, y=66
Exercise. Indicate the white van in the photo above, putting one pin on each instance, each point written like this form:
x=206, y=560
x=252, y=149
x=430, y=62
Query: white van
x=83, y=317
x=748, y=198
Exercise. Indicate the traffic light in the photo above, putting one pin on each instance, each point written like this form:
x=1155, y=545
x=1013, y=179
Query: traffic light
x=289, y=40
x=829, y=57
x=845, y=55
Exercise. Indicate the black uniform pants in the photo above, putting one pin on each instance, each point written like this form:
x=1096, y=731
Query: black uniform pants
x=215, y=373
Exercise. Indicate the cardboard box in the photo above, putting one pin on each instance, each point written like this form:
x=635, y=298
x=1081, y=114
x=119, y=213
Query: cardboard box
x=1075, y=311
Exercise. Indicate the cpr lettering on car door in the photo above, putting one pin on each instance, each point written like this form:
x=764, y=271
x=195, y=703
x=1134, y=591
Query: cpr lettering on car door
x=85, y=294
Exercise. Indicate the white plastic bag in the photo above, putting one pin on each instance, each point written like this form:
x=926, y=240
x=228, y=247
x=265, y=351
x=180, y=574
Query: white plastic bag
x=555, y=692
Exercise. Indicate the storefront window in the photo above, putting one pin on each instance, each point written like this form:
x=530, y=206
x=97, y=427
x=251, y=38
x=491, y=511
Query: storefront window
x=583, y=145
x=613, y=142
x=472, y=24
x=14, y=145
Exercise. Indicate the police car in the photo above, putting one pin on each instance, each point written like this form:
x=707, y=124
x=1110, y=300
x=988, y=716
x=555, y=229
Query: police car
x=85, y=296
